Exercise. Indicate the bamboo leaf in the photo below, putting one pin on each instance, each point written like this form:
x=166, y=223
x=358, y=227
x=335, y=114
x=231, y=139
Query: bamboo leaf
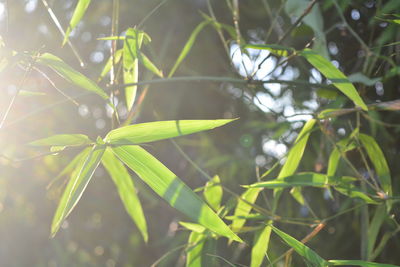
x=378, y=160
x=213, y=193
x=188, y=46
x=79, y=180
x=335, y=75
x=243, y=207
x=63, y=140
x=126, y=190
x=69, y=74
x=299, y=179
x=278, y=50
x=195, y=250
x=30, y=93
x=167, y=185
x=260, y=245
x=76, y=17
x=333, y=162
x=359, y=263
x=301, y=249
x=375, y=225
x=194, y=227
x=159, y=130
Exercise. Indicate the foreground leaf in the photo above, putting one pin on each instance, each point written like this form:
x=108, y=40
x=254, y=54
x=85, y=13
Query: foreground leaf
x=195, y=249
x=76, y=17
x=79, y=180
x=126, y=190
x=335, y=75
x=301, y=249
x=69, y=74
x=243, y=207
x=260, y=245
x=167, y=185
x=359, y=263
x=213, y=192
x=159, y=130
x=63, y=140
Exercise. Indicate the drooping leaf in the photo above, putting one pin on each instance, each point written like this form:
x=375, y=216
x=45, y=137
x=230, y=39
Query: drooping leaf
x=63, y=140
x=159, y=130
x=108, y=65
x=359, y=263
x=80, y=178
x=260, y=245
x=243, y=206
x=194, y=250
x=69, y=74
x=76, y=17
x=301, y=249
x=132, y=44
x=126, y=190
x=167, y=185
x=278, y=50
x=188, y=46
x=335, y=75
x=378, y=160
x=213, y=193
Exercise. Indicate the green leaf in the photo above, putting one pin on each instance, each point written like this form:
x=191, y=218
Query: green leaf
x=375, y=225
x=353, y=192
x=361, y=78
x=213, y=192
x=359, y=263
x=76, y=17
x=335, y=75
x=194, y=227
x=301, y=249
x=378, y=160
x=333, y=162
x=277, y=50
x=126, y=190
x=30, y=93
x=167, y=185
x=243, y=206
x=80, y=178
x=260, y=245
x=334, y=112
x=69, y=74
x=132, y=44
x=63, y=140
x=195, y=249
x=159, y=130
x=108, y=65
x=188, y=46
x=299, y=179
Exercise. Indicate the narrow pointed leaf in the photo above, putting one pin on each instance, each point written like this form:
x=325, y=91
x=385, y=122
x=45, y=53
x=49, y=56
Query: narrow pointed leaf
x=69, y=74
x=188, y=46
x=375, y=225
x=76, y=17
x=260, y=246
x=159, y=130
x=80, y=178
x=333, y=162
x=277, y=50
x=213, y=193
x=63, y=140
x=301, y=249
x=126, y=190
x=335, y=75
x=378, y=160
x=194, y=227
x=243, y=207
x=299, y=179
x=359, y=263
x=167, y=185
x=195, y=250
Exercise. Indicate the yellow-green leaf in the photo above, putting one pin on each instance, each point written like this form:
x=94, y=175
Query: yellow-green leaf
x=194, y=250
x=159, y=130
x=63, y=140
x=335, y=75
x=260, y=245
x=244, y=207
x=167, y=185
x=69, y=74
x=359, y=263
x=277, y=50
x=76, y=17
x=108, y=65
x=213, y=193
x=126, y=190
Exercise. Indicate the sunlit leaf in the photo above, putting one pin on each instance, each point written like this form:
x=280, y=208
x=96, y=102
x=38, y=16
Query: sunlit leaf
x=159, y=130
x=244, y=207
x=69, y=74
x=109, y=63
x=76, y=17
x=194, y=250
x=167, y=185
x=213, y=193
x=126, y=190
x=334, y=112
x=359, y=263
x=378, y=160
x=260, y=245
x=298, y=179
x=354, y=192
x=278, y=50
x=76, y=186
x=193, y=227
x=301, y=249
x=335, y=75
x=63, y=140
x=188, y=46
x=30, y=93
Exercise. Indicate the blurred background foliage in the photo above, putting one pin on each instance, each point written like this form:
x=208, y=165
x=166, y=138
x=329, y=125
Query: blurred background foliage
x=99, y=232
